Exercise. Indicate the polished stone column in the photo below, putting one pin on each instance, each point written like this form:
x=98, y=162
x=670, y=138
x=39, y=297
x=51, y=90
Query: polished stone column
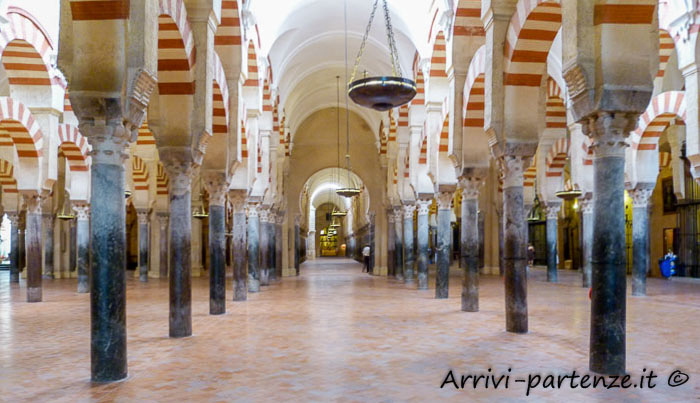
x=640, y=238
x=391, y=247
x=108, y=242
x=32, y=244
x=163, y=249
x=609, y=282
x=178, y=165
x=422, y=238
x=253, y=248
x=552, y=219
x=501, y=240
x=398, y=243
x=14, y=246
x=82, y=212
x=409, y=260
x=469, y=245
x=444, y=232
x=240, y=231
x=515, y=250
x=586, y=206
x=264, y=216
x=73, y=248
x=217, y=187
x=143, y=220
x=297, y=243
x=372, y=243
x=47, y=223
x=278, y=244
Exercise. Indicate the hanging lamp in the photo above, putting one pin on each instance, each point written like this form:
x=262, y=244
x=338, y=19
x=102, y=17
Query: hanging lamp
x=569, y=192
x=381, y=92
x=200, y=213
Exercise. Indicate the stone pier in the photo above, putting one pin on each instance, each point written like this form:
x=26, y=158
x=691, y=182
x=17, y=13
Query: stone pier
x=217, y=187
x=278, y=243
x=640, y=237
x=422, y=239
x=586, y=207
x=32, y=244
x=82, y=212
x=409, y=260
x=391, y=246
x=264, y=216
x=240, y=230
x=163, y=218
x=469, y=245
x=144, y=240
x=551, y=235
x=444, y=234
x=47, y=226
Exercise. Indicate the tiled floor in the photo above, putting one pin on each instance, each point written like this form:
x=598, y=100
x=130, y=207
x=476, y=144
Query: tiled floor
x=335, y=334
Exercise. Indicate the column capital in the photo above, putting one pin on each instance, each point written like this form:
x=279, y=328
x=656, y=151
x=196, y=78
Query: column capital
x=33, y=202
x=280, y=217
x=109, y=143
x=163, y=218
x=82, y=211
x=470, y=187
x=552, y=210
x=179, y=164
x=252, y=209
x=398, y=214
x=390, y=215
x=512, y=168
x=238, y=200
x=216, y=184
x=444, y=200
x=608, y=131
x=640, y=196
x=586, y=206
x=143, y=216
x=264, y=214
x=424, y=206
x=408, y=210
x=297, y=220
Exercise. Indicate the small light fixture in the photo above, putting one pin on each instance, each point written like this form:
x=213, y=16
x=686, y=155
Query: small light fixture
x=200, y=213
x=569, y=192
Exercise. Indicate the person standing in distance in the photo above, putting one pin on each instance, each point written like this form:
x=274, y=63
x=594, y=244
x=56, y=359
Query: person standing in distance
x=365, y=255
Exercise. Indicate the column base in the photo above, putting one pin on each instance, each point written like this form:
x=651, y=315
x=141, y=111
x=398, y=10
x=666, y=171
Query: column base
x=48, y=276
x=83, y=286
x=265, y=277
x=253, y=285
x=34, y=294
x=217, y=307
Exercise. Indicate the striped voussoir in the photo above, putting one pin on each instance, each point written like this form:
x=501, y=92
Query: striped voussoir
x=267, y=96
x=382, y=139
x=220, y=99
x=662, y=109
x=468, y=19
x=139, y=173
x=244, y=141
x=556, y=158
x=444, y=144
x=26, y=52
x=162, y=180
x=423, y=157
x=393, y=127
x=18, y=125
x=587, y=158
x=438, y=60
x=664, y=160
x=176, y=52
x=229, y=31
x=145, y=136
x=259, y=156
x=7, y=177
x=396, y=175
x=666, y=47
x=252, y=78
x=529, y=175
x=530, y=34
x=403, y=116
x=555, y=114
x=473, y=104
x=97, y=10
x=74, y=146
x=624, y=14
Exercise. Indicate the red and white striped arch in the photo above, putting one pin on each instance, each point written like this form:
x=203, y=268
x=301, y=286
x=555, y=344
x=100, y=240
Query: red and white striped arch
x=18, y=124
x=74, y=146
x=176, y=52
x=382, y=139
x=228, y=34
x=220, y=99
x=267, y=96
x=468, y=19
x=145, y=136
x=438, y=60
x=530, y=35
x=556, y=158
x=393, y=127
x=162, y=180
x=529, y=177
x=662, y=109
x=555, y=112
x=253, y=76
x=444, y=142
x=407, y=165
x=403, y=116
x=7, y=177
x=666, y=48
x=26, y=52
x=244, y=141
x=473, y=104
x=139, y=173
x=587, y=158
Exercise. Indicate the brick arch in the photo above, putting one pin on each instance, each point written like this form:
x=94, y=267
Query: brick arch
x=162, y=180
x=244, y=141
x=473, y=109
x=253, y=76
x=556, y=158
x=176, y=52
x=74, y=146
x=393, y=127
x=423, y=156
x=438, y=59
x=662, y=110
x=529, y=177
x=444, y=142
x=145, y=135
x=530, y=34
x=382, y=139
x=666, y=48
x=228, y=34
x=468, y=19
x=18, y=125
x=26, y=52
x=139, y=173
x=555, y=111
x=220, y=96
x=7, y=177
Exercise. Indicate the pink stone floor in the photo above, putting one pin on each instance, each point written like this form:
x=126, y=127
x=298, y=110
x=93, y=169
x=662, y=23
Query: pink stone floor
x=335, y=334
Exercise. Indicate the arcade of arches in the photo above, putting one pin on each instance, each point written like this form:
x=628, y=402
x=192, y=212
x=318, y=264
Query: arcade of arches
x=156, y=152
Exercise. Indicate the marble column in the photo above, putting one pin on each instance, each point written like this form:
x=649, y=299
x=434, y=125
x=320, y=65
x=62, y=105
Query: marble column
x=264, y=244
x=73, y=245
x=253, y=248
x=552, y=210
x=444, y=232
x=398, y=243
x=409, y=260
x=240, y=231
x=278, y=244
x=14, y=246
x=143, y=220
x=586, y=206
x=217, y=187
x=515, y=248
x=391, y=247
x=82, y=212
x=297, y=243
x=469, y=245
x=422, y=237
x=372, y=242
x=178, y=165
x=47, y=223
x=163, y=241
x=640, y=238
x=108, y=242
x=609, y=282
x=501, y=241
x=32, y=244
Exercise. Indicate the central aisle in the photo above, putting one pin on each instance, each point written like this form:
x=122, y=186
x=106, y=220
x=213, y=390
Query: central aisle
x=335, y=334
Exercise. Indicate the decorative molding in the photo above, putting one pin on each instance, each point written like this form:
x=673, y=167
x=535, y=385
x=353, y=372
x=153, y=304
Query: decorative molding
x=640, y=196
x=470, y=187
x=140, y=93
x=252, y=210
x=512, y=168
x=608, y=132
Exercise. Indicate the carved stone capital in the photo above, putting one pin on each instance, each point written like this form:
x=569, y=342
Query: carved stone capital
x=512, y=168
x=390, y=216
x=444, y=200
x=252, y=210
x=33, y=202
x=552, y=210
x=408, y=210
x=142, y=216
x=424, y=206
x=608, y=132
x=238, y=200
x=180, y=170
x=398, y=214
x=13, y=216
x=163, y=219
x=279, y=219
x=82, y=211
x=109, y=144
x=264, y=214
x=140, y=90
x=216, y=184
x=586, y=206
x=640, y=196
x=470, y=187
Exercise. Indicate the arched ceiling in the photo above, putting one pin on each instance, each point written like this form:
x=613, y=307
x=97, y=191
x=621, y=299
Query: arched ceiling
x=305, y=42
x=321, y=186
